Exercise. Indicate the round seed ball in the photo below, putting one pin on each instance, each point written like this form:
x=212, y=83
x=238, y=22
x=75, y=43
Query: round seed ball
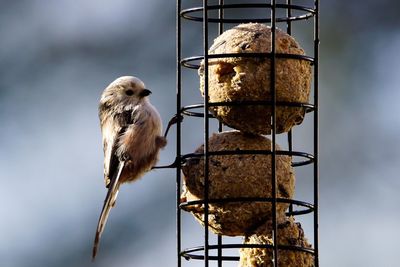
x=289, y=233
x=233, y=176
x=249, y=79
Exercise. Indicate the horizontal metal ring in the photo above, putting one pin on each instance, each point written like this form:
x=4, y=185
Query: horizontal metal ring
x=308, y=207
x=187, y=62
x=188, y=13
x=188, y=253
x=187, y=110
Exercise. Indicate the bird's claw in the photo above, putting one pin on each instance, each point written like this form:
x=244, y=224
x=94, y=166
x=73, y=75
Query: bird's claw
x=175, y=119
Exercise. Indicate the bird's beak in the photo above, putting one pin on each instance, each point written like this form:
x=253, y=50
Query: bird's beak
x=145, y=92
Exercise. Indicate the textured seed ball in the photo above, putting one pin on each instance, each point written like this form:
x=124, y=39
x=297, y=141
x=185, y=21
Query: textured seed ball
x=289, y=233
x=249, y=79
x=233, y=176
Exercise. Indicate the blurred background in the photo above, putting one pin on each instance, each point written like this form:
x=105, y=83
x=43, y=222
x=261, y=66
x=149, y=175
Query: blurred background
x=56, y=57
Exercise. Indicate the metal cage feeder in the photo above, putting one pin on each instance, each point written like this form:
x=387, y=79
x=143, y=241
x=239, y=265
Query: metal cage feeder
x=207, y=15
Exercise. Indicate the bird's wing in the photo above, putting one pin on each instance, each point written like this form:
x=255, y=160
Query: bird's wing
x=108, y=204
x=110, y=142
x=113, y=161
x=113, y=170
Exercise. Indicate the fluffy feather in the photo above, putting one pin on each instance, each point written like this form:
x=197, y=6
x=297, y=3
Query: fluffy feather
x=131, y=129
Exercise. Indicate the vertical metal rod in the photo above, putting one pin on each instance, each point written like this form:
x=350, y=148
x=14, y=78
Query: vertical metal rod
x=290, y=147
x=178, y=130
x=220, y=126
x=206, y=133
x=316, y=132
x=221, y=16
x=289, y=31
x=290, y=140
x=220, y=31
x=219, y=251
x=273, y=130
x=289, y=14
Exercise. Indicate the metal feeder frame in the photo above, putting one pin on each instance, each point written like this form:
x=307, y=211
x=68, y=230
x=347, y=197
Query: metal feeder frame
x=297, y=207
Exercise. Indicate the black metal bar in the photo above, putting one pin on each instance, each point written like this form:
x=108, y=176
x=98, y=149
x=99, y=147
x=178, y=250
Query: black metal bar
x=219, y=250
x=220, y=125
x=290, y=148
x=211, y=258
x=185, y=110
x=188, y=253
x=220, y=31
x=260, y=102
x=289, y=31
x=316, y=132
x=186, y=61
x=308, y=157
x=206, y=133
x=289, y=15
x=186, y=13
x=273, y=132
x=221, y=16
x=178, y=132
x=308, y=207
x=290, y=140
x=282, y=247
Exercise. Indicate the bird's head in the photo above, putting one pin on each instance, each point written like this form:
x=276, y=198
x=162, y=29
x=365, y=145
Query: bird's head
x=125, y=91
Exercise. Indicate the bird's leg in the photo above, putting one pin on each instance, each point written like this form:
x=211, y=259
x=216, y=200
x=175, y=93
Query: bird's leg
x=175, y=119
x=172, y=165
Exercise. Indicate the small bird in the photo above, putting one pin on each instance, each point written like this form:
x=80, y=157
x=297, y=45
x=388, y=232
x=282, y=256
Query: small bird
x=131, y=129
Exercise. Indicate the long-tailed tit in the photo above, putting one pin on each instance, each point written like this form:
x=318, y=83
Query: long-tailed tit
x=131, y=129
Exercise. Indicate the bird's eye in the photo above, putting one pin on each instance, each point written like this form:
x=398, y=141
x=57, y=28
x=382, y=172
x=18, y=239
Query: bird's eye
x=129, y=92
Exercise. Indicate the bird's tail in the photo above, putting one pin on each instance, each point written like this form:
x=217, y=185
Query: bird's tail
x=109, y=202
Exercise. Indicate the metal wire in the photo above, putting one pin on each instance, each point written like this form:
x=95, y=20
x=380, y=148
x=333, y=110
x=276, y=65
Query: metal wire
x=316, y=134
x=178, y=132
x=293, y=13
x=188, y=13
x=220, y=127
x=273, y=132
x=206, y=133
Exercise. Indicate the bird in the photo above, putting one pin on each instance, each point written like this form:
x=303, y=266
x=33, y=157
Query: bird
x=131, y=133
